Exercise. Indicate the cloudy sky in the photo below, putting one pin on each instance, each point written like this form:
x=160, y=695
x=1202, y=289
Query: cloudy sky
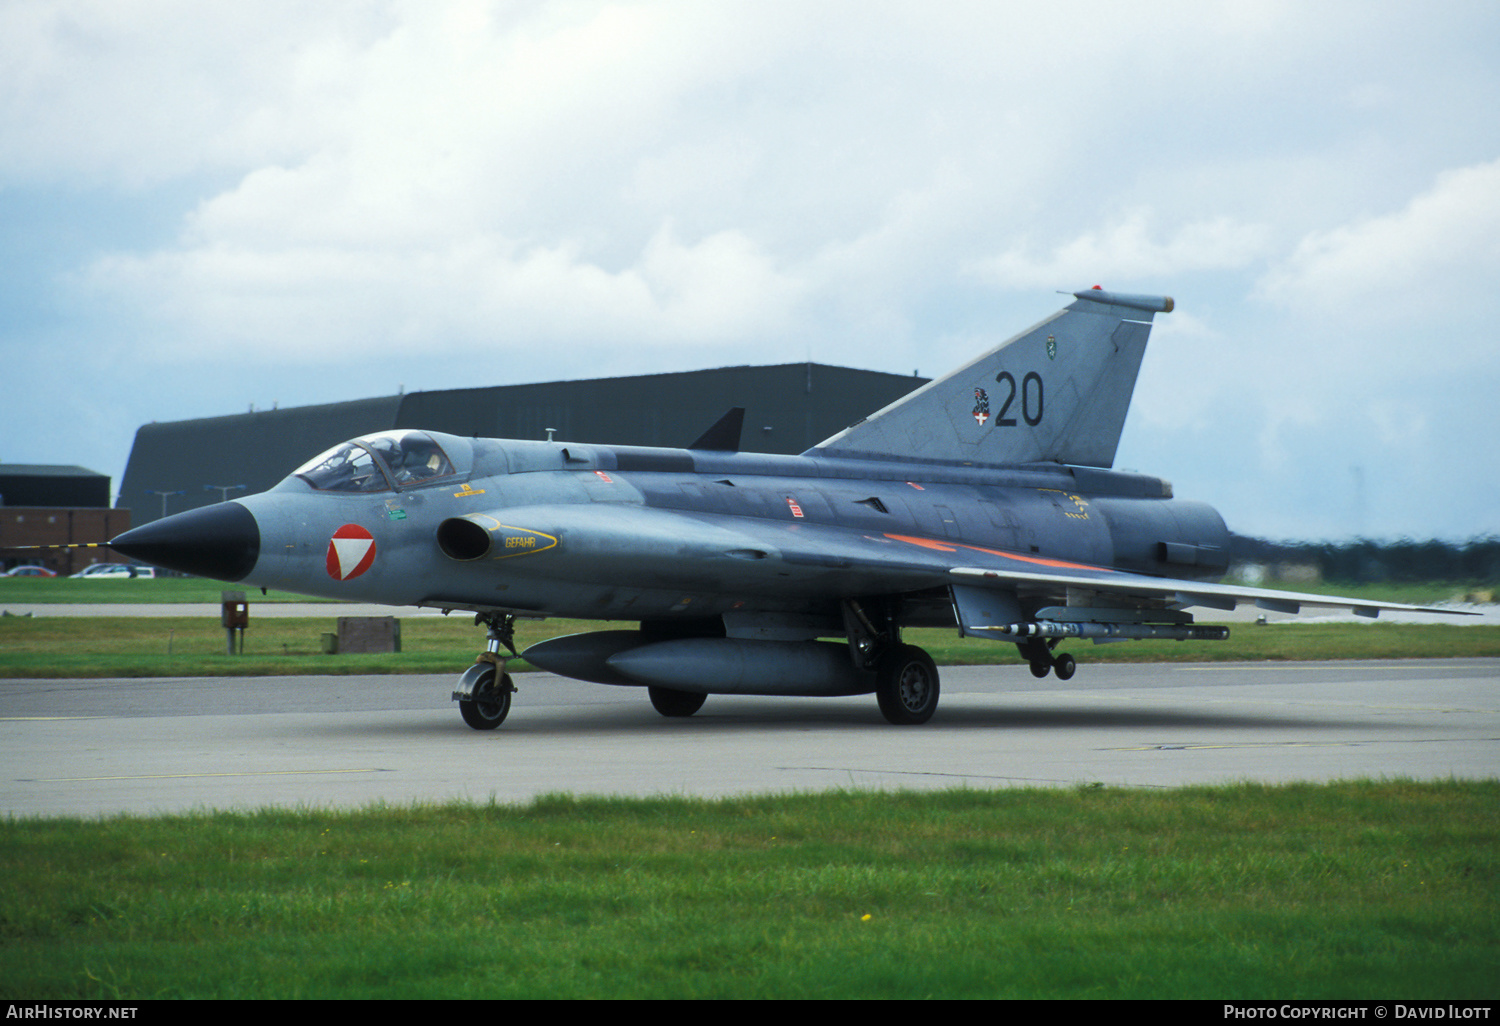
x=209, y=206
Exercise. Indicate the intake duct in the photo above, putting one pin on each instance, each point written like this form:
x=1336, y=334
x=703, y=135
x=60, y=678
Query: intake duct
x=461, y=538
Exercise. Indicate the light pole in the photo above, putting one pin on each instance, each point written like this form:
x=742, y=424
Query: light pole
x=163, y=499
x=223, y=490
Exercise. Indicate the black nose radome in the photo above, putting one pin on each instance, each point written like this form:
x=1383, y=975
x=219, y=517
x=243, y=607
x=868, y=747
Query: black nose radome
x=221, y=541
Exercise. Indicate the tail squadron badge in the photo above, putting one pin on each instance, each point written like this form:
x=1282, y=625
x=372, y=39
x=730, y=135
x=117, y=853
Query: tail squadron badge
x=981, y=406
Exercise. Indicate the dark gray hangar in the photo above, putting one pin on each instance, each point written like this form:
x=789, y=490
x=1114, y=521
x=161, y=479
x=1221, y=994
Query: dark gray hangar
x=983, y=500
x=790, y=407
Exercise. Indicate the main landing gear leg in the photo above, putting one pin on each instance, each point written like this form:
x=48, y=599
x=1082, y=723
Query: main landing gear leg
x=484, y=690
x=906, y=679
x=1043, y=661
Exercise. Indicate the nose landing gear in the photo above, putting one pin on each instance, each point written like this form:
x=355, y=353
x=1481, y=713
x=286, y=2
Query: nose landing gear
x=483, y=692
x=488, y=702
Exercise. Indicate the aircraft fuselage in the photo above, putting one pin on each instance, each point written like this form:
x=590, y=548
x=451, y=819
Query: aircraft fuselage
x=562, y=529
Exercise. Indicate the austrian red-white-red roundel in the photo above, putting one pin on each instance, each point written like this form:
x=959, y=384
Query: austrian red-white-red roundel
x=350, y=553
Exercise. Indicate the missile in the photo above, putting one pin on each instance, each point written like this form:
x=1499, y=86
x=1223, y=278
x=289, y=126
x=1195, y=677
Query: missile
x=1170, y=632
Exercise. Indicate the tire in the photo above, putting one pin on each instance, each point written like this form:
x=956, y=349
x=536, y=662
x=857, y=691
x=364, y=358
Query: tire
x=907, y=686
x=1064, y=666
x=491, y=704
x=670, y=702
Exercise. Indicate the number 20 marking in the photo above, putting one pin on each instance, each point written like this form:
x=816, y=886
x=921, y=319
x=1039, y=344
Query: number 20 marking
x=1031, y=398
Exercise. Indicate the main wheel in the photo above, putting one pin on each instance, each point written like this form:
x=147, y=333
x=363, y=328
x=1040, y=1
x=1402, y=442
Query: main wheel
x=1064, y=666
x=670, y=702
x=907, y=686
x=491, y=704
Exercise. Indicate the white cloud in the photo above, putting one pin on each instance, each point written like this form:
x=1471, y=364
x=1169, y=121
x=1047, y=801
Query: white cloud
x=309, y=303
x=1442, y=248
x=138, y=92
x=1126, y=252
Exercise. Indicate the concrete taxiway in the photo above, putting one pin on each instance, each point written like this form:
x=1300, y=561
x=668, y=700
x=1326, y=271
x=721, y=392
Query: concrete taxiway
x=100, y=747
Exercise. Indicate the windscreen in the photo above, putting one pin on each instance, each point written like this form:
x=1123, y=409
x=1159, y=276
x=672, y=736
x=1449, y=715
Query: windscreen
x=378, y=463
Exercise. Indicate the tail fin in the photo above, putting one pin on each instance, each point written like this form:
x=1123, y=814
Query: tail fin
x=1057, y=392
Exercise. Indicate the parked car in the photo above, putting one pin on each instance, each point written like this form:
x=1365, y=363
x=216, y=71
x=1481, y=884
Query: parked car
x=116, y=571
x=29, y=571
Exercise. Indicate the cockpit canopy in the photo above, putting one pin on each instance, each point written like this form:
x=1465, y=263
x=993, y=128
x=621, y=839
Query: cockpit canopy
x=379, y=463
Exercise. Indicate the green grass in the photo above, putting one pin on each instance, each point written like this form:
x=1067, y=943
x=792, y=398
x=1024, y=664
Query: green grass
x=32, y=590
x=56, y=590
x=188, y=646
x=1417, y=593
x=191, y=646
x=1354, y=890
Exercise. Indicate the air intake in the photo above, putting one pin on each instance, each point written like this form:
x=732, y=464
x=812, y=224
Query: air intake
x=463, y=539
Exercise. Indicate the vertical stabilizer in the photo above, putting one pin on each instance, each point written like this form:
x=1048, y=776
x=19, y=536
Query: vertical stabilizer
x=1057, y=392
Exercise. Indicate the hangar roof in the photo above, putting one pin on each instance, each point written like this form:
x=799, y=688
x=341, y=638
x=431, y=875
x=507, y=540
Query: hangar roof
x=788, y=409
x=45, y=484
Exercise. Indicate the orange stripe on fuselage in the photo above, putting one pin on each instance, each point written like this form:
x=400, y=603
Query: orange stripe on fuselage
x=931, y=543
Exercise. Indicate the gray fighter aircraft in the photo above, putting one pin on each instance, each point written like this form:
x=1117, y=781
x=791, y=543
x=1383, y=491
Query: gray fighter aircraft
x=982, y=500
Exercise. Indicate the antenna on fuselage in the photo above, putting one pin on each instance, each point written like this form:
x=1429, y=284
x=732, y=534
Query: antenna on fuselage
x=724, y=436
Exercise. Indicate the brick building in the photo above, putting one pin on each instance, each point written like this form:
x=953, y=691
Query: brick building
x=54, y=505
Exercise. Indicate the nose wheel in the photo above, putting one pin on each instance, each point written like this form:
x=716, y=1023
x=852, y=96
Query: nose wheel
x=484, y=696
x=483, y=692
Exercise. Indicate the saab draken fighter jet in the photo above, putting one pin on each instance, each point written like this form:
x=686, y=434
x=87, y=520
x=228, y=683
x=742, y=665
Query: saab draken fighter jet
x=982, y=501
